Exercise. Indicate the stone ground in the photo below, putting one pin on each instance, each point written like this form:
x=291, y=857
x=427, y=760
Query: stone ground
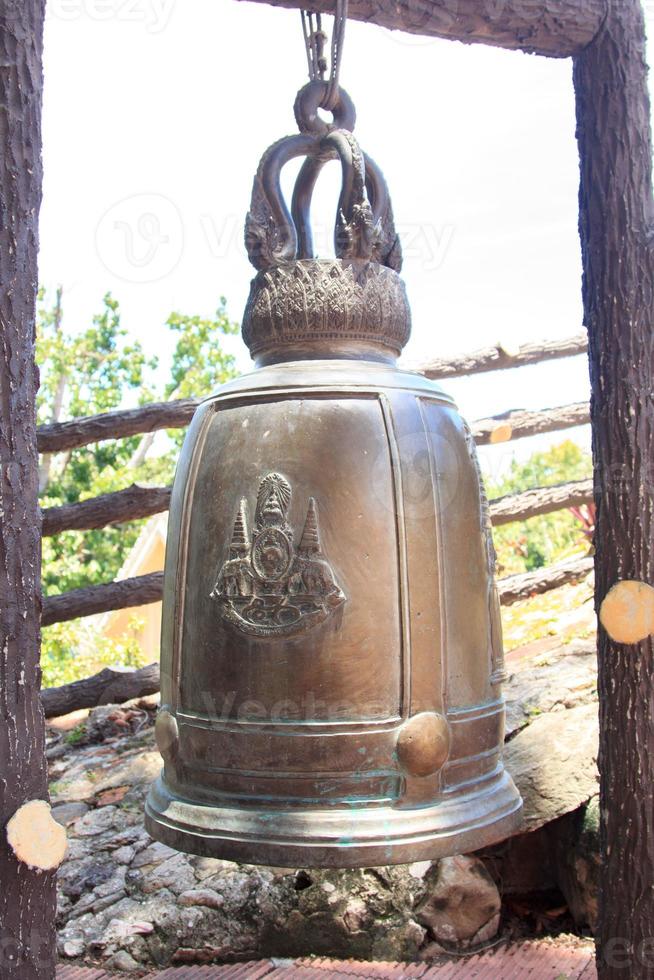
x=130, y=905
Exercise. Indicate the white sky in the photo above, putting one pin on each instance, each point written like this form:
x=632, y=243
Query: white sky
x=157, y=111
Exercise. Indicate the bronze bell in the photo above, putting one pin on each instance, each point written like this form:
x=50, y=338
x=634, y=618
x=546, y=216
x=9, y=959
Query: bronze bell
x=331, y=648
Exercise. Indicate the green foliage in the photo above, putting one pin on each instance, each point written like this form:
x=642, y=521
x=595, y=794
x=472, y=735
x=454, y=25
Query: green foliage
x=199, y=363
x=77, y=735
x=75, y=650
x=531, y=544
x=91, y=370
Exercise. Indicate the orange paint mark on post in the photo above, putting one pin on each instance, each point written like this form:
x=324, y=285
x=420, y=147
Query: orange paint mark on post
x=501, y=433
x=627, y=612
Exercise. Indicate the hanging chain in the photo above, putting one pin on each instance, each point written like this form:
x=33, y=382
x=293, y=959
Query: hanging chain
x=314, y=41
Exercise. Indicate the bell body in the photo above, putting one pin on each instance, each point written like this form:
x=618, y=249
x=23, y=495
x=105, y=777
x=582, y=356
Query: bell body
x=331, y=647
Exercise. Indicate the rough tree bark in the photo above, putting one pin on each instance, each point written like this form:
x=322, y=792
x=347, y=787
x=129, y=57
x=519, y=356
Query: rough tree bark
x=616, y=227
x=27, y=899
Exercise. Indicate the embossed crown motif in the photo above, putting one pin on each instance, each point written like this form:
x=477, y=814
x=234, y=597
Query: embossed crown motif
x=298, y=300
x=267, y=586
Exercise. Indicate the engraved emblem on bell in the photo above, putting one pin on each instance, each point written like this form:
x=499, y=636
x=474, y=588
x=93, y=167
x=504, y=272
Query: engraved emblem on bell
x=331, y=643
x=267, y=587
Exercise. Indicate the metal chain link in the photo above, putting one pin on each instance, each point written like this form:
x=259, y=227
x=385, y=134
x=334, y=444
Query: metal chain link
x=314, y=40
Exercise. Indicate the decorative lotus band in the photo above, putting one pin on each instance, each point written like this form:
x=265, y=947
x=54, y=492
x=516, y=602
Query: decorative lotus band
x=329, y=300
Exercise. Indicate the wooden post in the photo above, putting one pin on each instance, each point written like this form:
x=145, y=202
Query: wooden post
x=27, y=896
x=616, y=234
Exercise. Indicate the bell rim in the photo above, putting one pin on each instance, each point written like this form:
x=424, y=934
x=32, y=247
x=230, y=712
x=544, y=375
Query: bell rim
x=342, y=837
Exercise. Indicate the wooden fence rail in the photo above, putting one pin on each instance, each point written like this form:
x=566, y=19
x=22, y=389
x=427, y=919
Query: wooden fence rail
x=143, y=589
x=541, y=500
x=62, y=436
x=499, y=358
x=137, y=502
x=125, y=593
x=110, y=508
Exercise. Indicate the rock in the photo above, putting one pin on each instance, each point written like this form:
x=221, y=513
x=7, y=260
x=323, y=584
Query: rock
x=419, y=869
x=131, y=904
x=122, y=961
x=554, y=763
x=96, y=822
x=176, y=873
x=155, y=853
x=399, y=943
x=124, y=854
x=110, y=720
x=461, y=907
x=205, y=866
x=76, y=878
x=577, y=862
x=202, y=896
x=564, y=678
x=65, y=813
x=73, y=948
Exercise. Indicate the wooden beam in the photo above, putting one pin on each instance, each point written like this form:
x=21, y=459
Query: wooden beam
x=62, y=436
x=513, y=588
x=497, y=358
x=144, y=589
x=137, y=502
x=126, y=593
x=557, y=28
x=519, y=423
x=540, y=500
x=110, y=508
x=177, y=414
x=113, y=685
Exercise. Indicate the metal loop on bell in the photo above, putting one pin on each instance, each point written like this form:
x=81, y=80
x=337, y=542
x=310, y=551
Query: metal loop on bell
x=313, y=97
